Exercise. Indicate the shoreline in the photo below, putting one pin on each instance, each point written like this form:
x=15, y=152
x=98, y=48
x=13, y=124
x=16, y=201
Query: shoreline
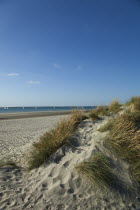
x=19, y=115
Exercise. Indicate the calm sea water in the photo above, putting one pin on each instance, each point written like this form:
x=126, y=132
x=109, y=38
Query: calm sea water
x=39, y=109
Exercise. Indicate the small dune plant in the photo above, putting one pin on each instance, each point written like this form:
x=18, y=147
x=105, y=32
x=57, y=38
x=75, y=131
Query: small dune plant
x=99, y=111
x=77, y=116
x=93, y=116
x=51, y=141
x=134, y=103
x=107, y=127
x=124, y=138
x=99, y=171
x=114, y=107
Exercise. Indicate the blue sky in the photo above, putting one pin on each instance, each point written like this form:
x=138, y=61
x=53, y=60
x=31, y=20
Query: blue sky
x=69, y=52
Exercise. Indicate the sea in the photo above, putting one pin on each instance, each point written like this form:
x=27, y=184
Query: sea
x=42, y=108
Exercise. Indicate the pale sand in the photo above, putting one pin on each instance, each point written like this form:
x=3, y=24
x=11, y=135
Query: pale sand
x=56, y=185
x=16, y=136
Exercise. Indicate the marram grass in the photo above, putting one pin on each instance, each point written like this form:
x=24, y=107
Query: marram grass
x=51, y=141
x=98, y=170
x=124, y=138
x=107, y=127
x=134, y=103
x=114, y=107
x=93, y=116
x=99, y=111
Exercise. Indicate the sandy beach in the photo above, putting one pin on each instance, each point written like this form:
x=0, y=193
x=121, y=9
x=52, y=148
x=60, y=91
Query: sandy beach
x=56, y=185
x=17, y=135
x=69, y=105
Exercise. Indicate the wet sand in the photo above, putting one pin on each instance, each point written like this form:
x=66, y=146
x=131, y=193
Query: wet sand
x=19, y=115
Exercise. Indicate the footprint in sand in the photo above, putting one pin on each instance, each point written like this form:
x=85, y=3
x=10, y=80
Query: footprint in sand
x=66, y=164
x=71, y=191
x=62, y=186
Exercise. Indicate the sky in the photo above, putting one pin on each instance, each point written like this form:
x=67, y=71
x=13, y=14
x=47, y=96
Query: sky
x=69, y=52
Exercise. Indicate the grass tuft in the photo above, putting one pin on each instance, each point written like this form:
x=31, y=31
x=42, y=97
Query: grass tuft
x=124, y=137
x=134, y=103
x=98, y=170
x=99, y=111
x=51, y=141
x=114, y=106
x=107, y=127
x=93, y=116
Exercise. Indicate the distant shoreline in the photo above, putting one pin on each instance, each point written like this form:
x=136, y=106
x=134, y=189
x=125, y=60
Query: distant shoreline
x=9, y=110
x=19, y=115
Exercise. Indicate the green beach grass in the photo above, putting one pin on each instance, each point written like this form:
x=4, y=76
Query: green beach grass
x=124, y=138
x=107, y=127
x=51, y=141
x=114, y=107
x=96, y=114
x=99, y=171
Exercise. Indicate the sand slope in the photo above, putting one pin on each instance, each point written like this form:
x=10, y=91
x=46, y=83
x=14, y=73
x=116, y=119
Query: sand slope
x=57, y=185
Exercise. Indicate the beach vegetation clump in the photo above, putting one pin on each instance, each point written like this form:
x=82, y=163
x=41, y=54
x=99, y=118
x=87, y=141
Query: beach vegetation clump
x=98, y=170
x=124, y=137
x=107, y=127
x=77, y=116
x=114, y=107
x=134, y=103
x=93, y=116
x=51, y=141
x=101, y=110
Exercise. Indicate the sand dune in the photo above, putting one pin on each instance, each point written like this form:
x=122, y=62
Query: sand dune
x=57, y=185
